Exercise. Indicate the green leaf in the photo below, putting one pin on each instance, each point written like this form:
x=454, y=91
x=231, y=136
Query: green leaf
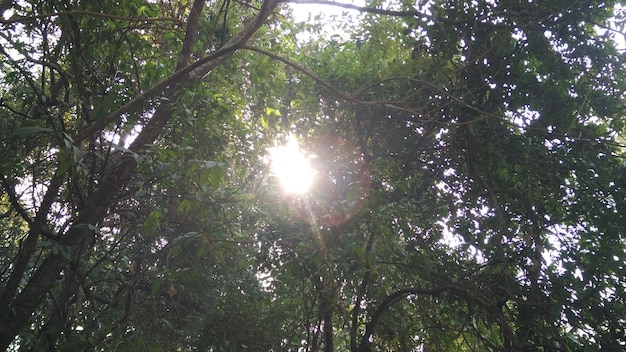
x=269, y=111
x=156, y=284
x=264, y=123
x=64, y=166
x=29, y=130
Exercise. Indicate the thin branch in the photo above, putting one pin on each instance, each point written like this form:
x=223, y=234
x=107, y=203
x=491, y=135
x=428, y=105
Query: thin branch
x=354, y=98
x=23, y=70
x=18, y=19
x=346, y=96
x=37, y=225
x=15, y=202
x=356, y=311
x=395, y=13
x=361, y=8
x=151, y=92
x=193, y=72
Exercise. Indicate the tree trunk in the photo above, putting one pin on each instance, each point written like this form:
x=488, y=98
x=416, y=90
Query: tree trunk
x=81, y=235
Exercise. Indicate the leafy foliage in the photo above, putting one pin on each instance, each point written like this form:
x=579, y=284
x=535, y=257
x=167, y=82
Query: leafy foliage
x=469, y=193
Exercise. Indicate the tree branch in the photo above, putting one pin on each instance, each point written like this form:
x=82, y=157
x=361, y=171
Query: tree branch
x=36, y=226
x=191, y=33
x=81, y=233
x=361, y=8
x=388, y=302
x=354, y=98
x=396, y=13
x=15, y=202
x=18, y=19
x=356, y=311
x=192, y=73
x=460, y=291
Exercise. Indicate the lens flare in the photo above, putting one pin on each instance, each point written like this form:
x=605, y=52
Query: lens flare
x=292, y=167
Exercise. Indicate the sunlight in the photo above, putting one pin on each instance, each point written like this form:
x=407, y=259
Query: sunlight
x=292, y=168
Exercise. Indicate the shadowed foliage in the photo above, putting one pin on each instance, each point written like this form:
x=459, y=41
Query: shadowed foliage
x=469, y=192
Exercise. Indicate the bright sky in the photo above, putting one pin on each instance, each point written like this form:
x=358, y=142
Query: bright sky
x=302, y=11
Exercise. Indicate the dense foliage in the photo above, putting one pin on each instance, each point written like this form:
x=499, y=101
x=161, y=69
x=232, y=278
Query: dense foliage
x=470, y=190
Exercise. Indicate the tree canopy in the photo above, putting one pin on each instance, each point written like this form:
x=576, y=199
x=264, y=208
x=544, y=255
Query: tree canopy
x=469, y=189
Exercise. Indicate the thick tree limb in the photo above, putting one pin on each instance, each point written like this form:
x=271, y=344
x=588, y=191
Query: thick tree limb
x=190, y=74
x=27, y=249
x=190, y=34
x=81, y=234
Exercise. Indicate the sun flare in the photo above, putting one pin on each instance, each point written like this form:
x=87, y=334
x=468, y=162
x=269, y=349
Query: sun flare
x=292, y=167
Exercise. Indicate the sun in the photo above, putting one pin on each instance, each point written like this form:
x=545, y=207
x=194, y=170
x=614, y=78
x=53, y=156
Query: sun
x=292, y=167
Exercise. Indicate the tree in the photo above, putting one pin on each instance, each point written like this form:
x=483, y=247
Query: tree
x=470, y=181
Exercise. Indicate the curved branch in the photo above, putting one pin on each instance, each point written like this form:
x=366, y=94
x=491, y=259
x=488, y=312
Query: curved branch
x=388, y=302
x=354, y=98
x=460, y=291
x=14, y=200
